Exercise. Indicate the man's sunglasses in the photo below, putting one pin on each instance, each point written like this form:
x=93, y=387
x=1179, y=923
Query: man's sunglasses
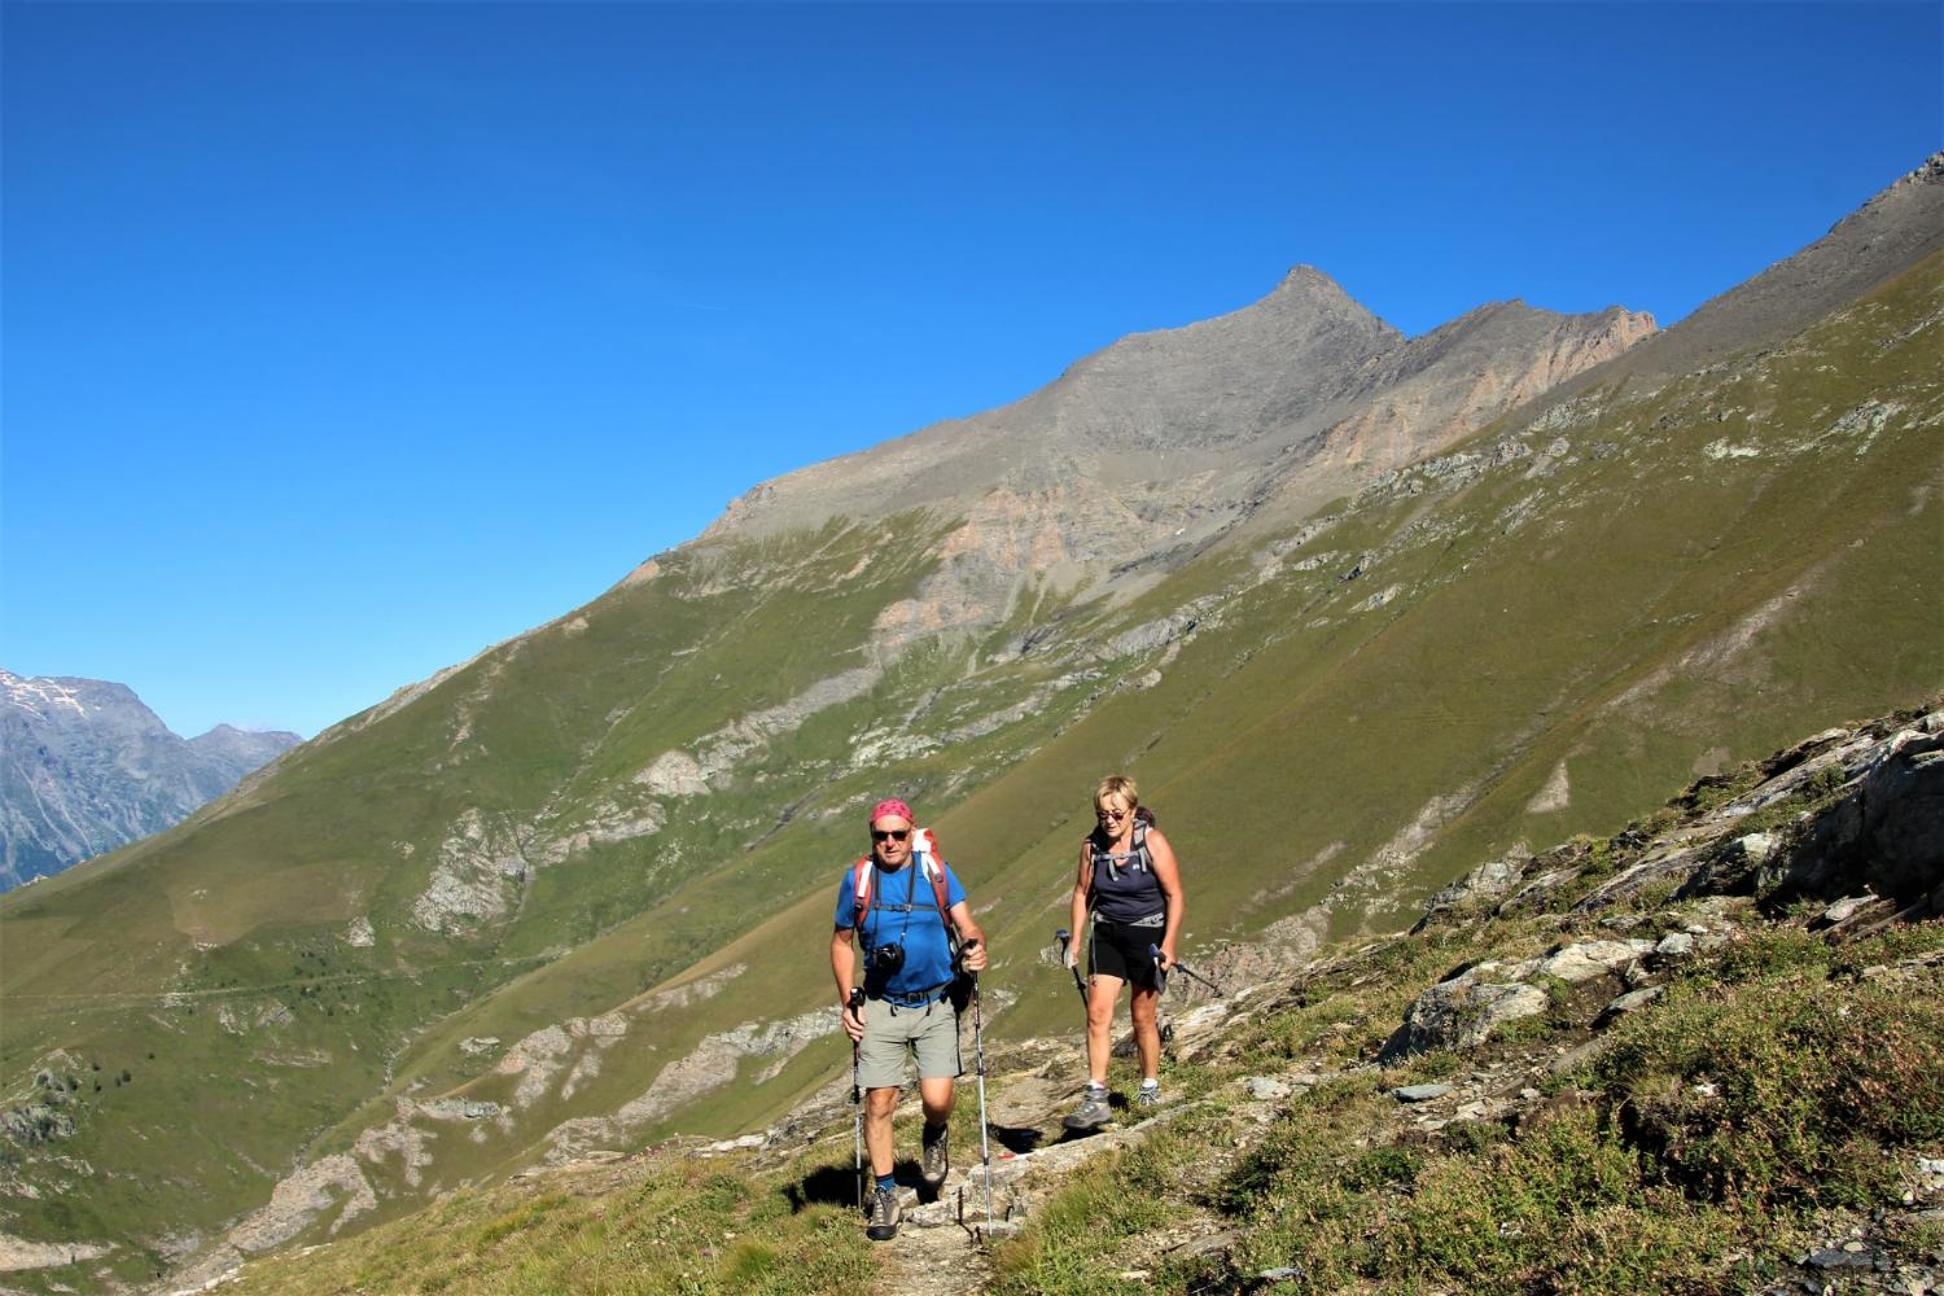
x=890, y=834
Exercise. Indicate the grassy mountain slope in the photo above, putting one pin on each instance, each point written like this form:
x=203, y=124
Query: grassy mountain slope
x=1767, y=1108
x=583, y=883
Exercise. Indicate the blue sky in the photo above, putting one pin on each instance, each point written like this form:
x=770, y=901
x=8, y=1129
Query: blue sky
x=341, y=341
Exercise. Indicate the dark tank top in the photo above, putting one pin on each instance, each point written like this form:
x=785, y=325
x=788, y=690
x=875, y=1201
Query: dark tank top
x=1125, y=889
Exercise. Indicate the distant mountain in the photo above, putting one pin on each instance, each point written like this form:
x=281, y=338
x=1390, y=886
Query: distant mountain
x=1360, y=611
x=85, y=768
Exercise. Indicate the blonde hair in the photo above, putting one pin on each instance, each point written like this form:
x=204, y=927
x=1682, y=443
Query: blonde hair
x=1121, y=786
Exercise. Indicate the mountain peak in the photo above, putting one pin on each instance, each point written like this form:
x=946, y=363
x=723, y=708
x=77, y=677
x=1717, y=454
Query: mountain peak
x=1310, y=287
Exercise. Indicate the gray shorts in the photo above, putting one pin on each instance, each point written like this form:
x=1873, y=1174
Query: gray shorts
x=892, y=1032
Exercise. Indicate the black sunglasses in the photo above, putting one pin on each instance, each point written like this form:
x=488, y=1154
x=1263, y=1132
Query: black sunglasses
x=890, y=834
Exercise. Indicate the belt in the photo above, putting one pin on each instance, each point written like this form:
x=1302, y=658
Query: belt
x=917, y=998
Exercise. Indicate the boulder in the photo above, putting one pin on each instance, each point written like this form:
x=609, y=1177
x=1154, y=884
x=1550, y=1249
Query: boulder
x=1588, y=959
x=1490, y=880
x=1885, y=835
x=1461, y=1014
x=1626, y=1003
x=1732, y=868
x=1675, y=945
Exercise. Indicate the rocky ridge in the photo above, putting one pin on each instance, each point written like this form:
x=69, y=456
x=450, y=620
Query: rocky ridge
x=1137, y=455
x=85, y=768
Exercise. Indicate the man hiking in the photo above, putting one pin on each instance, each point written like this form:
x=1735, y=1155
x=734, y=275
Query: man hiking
x=904, y=910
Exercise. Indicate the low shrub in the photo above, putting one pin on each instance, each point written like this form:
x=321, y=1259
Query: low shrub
x=1783, y=1092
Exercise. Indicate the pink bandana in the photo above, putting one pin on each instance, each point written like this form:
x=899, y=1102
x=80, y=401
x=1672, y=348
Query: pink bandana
x=891, y=807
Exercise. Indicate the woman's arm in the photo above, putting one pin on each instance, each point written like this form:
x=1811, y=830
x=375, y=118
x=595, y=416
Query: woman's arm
x=1077, y=918
x=1167, y=872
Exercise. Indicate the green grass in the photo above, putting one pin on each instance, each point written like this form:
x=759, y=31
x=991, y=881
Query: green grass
x=686, y=1229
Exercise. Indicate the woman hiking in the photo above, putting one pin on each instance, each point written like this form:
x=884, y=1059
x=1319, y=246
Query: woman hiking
x=1131, y=885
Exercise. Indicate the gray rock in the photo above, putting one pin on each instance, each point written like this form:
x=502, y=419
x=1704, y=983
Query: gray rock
x=1885, y=834
x=470, y=1109
x=1732, y=868
x=1588, y=959
x=1461, y=1014
x=1626, y=1003
x=1267, y=1088
x=1675, y=945
x=1844, y=909
x=1838, y=1258
x=1493, y=878
x=1420, y=1092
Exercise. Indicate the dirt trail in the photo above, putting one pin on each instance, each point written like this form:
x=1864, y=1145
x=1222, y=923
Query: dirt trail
x=942, y=1260
x=940, y=1251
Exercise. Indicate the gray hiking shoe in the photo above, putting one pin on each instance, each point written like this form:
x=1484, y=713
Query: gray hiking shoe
x=1148, y=1096
x=937, y=1154
x=1092, y=1112
x=885, y=1215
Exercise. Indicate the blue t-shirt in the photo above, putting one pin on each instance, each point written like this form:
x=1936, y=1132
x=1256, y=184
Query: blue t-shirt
x=928, y=953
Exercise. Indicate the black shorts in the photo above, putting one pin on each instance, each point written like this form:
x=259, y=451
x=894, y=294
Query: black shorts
x=1121, y=950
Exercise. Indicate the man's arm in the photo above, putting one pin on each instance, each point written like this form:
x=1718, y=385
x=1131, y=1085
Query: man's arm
x=973, y=957
x=843, y=966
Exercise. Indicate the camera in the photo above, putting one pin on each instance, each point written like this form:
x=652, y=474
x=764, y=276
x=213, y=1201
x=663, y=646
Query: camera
x=886, y=959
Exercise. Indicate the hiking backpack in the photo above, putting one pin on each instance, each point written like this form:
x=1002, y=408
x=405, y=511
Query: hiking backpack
x=1139, y=859
x=925, y=857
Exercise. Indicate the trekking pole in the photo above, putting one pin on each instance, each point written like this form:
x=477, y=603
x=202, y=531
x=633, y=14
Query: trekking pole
x=1154, y=952
x=1065, y=938
x=1163, y=1026
x=856, y=1006
x=978, y=1052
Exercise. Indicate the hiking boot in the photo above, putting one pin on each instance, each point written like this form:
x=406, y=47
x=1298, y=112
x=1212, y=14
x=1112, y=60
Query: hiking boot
x=937, y=1155
x=1092, y=1112
x=885, y=1216
x=1148, y=1095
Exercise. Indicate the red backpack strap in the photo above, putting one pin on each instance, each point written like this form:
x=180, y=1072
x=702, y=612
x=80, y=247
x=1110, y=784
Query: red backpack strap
x=860, y=892
x=925, y=846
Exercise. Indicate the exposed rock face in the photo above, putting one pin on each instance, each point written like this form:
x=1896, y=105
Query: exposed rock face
x=1143, y=451
x=1887, y=835
x=16, y=1255
x=85, y=767
x=1894, y=230
x=480, y=869
x=1872, y=833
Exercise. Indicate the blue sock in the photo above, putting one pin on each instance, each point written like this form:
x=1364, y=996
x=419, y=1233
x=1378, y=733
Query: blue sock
x=887, y=1183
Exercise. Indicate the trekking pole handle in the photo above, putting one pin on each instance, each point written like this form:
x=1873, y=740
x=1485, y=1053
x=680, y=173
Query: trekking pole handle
x=856, y=1000
x=965, y=949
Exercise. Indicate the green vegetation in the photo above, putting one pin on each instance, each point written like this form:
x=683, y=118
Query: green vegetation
x=681, y=1229
x=1777, y=1093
